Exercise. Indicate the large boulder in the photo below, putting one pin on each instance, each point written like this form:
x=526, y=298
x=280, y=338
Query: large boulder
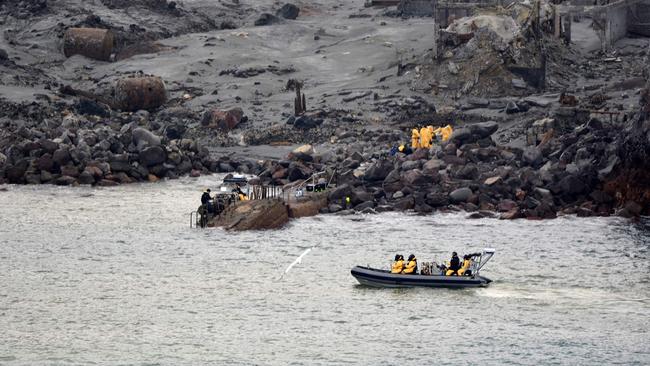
x=306, y=122
x=415, y=177
x=392, y=182
x=461, y=136
x=253, y=215
x=266, y=19
x=61, y=156
x=16, y=173
x=223, y=119
x=460, y=195
x=307, y=206
x=143, y=138
x=473, y=133
x=153, y=155
x=484, y=129
x=339, y=193
x=532, y=156
x=288, y=11
x=433, y=165
x=379, y=170
x=571, y=185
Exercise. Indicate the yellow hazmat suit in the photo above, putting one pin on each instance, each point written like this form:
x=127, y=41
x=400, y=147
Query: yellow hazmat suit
x=432, y=135
x=426, y=136
x=415, y=138
x=465, y=267
x=398, y=266
x=423, y=137
x=445, y=132
x=410, y=267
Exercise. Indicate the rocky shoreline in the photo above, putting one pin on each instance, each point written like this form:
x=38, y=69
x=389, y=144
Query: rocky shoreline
x=510, y=157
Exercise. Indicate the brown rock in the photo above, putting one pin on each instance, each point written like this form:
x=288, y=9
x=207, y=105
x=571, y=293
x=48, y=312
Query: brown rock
x=253, y=215
x=224, y=120
x=511, y=215
x=308, y=206
x=70, y=170
x=492, y=180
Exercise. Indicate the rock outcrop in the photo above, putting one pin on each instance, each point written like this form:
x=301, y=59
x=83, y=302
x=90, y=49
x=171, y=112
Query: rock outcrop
x=253, y=215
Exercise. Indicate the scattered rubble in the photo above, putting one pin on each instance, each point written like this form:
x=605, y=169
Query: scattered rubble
x=541, y=128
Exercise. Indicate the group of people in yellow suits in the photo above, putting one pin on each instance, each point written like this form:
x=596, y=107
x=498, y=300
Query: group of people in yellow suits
x=411, y=267
x=423, y=138
x=453, y=267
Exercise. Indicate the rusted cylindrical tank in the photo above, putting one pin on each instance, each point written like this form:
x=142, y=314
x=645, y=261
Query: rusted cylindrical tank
x=90, y=42
x=147, y=92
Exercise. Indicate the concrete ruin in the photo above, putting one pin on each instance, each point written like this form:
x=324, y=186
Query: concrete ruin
x=612, y=20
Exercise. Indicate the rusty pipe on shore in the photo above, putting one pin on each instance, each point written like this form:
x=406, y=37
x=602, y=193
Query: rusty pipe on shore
x=94, y=43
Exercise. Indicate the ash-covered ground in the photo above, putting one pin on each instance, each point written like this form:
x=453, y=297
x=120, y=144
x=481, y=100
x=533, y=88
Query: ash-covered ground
x=577, y=142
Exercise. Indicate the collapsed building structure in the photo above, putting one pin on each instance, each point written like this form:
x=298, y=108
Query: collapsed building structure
x=612, y=19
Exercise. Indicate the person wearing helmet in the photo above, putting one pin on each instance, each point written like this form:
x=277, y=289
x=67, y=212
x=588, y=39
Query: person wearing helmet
x=415, y=138
x=424, y=138
x=467, y=261
x=454, y=265
x=398, y=265
x=411, y=266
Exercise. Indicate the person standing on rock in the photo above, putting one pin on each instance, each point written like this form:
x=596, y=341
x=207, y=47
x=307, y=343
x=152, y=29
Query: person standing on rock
x=206, y=201
x=425, y=138
x=415, y=138
x=205, y=197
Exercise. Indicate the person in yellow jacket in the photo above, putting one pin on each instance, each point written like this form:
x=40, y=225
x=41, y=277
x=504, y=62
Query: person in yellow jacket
x=425, y=138
x=466, y=263
x=445, y=132
x=411, y=266
x=398, y=265
x=432, y=135
x=415, y=138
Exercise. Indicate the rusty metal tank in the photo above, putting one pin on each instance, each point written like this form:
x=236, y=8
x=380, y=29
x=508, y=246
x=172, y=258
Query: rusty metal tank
x=94, y=43
x=146, y=92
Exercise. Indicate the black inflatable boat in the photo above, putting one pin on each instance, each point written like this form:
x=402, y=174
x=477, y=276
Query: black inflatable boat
x=383, y=278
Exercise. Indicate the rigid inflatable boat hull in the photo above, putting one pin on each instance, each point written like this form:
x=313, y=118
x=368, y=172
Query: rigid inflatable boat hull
x=381, y=278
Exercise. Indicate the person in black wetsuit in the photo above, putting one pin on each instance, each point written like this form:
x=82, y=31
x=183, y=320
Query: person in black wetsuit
x=206, y=201
x=454, y=265
x=205, y=197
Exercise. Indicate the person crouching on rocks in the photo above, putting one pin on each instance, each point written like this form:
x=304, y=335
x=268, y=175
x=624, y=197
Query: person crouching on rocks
x=411, y=266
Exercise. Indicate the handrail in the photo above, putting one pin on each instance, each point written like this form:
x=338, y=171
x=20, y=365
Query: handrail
x=300, y=184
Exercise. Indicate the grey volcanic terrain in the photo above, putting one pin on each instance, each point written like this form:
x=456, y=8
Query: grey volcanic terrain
x=112, y=92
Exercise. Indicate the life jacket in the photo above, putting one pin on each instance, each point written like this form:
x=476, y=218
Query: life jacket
x=465, y=267
x=398, y=266
x=411, y=267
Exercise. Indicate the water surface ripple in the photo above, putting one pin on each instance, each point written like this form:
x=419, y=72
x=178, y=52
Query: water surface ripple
x=116, y=277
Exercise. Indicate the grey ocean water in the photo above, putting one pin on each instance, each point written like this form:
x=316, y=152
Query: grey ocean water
x=116, y=277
